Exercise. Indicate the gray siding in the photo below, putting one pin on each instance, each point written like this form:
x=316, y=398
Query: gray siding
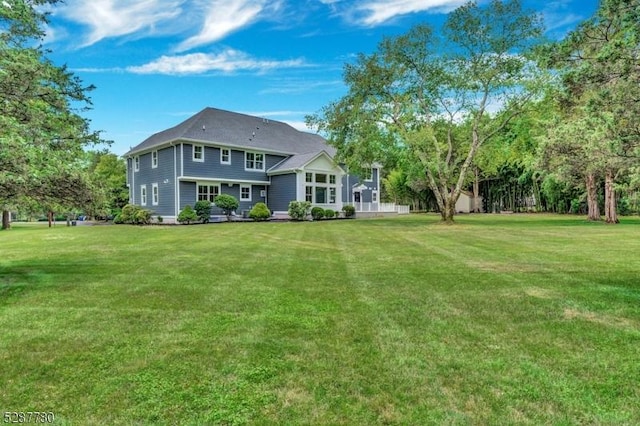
x=348, y=182
x=281, y=192
x=211, y=168
x=147, y=175
x=188, y=194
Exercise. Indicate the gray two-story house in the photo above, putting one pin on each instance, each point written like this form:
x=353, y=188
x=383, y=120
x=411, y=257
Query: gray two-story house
x=252, y=158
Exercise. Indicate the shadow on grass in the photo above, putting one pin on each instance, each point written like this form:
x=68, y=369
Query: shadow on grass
x=19, y=278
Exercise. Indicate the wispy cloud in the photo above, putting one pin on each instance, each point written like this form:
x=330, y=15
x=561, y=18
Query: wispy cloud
x=114, y=18
x=223, y=17
x=558, y=16
x=228, y=61
x=377, y=12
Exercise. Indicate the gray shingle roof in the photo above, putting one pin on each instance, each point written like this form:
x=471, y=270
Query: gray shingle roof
x=216, y=126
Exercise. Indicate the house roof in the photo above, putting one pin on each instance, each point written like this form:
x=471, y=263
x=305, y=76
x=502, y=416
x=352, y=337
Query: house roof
x=232, y=129
x=297, y=161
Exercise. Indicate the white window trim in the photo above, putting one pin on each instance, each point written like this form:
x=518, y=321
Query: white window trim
x=155, y=194
x=327, y=186
x=154, y=159
x=370, y=178
x=245, y=186
x=374, y=196
x=143, y=195
x=221, y=156
x=136, y=163
x=193, y=153
x=207, y=184
x=264, y=159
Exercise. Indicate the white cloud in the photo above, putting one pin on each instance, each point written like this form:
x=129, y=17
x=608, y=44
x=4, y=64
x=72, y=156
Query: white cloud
x=113, y=18
x=223, y=17
x=227, y=61
x=376, y=12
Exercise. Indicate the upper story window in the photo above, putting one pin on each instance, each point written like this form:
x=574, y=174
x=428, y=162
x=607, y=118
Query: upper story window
x=198, y=153
x=136, y=163
x=154, y=159
x=332, y=179
x=253, y=161
x=308, y=177
x=368, y=174
x=225, y=156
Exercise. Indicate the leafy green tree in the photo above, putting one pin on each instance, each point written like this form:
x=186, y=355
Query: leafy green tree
x=108, y=176
x=41, y=131
x=598, y=64
x=414, y=92
x=228, y=204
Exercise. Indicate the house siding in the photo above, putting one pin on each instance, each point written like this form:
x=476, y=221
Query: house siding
x=281, y=192
x=211, y=168
x=148, y=176
x=188, y=194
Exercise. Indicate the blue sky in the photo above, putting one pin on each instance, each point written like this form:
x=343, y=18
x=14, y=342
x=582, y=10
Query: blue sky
x=157, y=62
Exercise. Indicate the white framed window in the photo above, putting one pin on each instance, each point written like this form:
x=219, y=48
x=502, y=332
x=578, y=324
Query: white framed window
x=374, y=196
x=225, y=156
x=154, y=159
x=155, y=194
x=143, y=195
x=321, y=188
x=245, y=192
x=198, y=153
x=368, y=174
x=254, y=161
x=136, y=163
x=208, y=192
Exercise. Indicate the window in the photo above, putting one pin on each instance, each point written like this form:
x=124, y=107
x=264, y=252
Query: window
x=136, y=163
x=208, y=192
x=155, y=194
x=245, y=192
x=154, y=159
x=225, y=156
x=374, y=196
x=198, y=153
x=368, y=174
x=143, y=195
x=321, y=195
x=253, y=161
x=321, y=188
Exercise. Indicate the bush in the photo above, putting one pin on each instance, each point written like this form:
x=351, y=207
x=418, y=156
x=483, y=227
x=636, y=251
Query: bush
x=299, y=210
x=349, y=211
x=187, y=215
x=228, y=203
x=133, y=215
x=160, y=219
x=203, y=210
x=260, y=212
x=317, y=213
x=329, y=214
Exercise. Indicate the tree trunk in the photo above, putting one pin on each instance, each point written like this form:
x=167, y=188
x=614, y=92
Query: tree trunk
x=50, y=218
x=449, y=210
x=476, y=192
x=6, y=219
x=593, y=212
x=610, y=211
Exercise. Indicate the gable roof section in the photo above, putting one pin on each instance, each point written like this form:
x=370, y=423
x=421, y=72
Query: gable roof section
x=235, y=130
x=296, y=162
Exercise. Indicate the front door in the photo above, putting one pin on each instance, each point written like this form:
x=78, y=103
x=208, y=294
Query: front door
x=356, y=197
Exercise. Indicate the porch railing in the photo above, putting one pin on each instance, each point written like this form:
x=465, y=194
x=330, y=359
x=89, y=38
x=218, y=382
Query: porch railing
x=381, y=208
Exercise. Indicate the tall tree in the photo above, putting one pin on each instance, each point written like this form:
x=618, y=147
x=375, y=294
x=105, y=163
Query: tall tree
x=600, y=69
x=413, y=94
x=41, y=130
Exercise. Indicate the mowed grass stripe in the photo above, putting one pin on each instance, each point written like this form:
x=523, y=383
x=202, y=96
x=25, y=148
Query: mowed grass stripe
x=518, y=319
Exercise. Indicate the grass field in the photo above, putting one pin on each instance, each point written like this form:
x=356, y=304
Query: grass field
x=495, y=320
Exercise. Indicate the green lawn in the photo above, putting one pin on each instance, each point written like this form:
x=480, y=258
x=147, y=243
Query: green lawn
x=496, y=320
